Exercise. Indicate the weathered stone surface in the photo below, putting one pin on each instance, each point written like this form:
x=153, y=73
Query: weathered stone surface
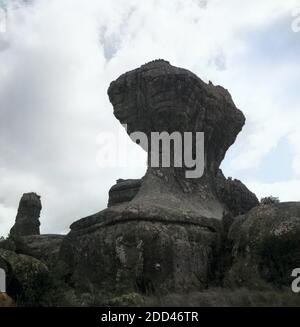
x=266, y=245
x=27, y=277
x=162, y=232
x=237, y=197
x=123, y=252
x=159, y=97
x=42, y=247
x=232, y=192
x=123, y=191
x=27, y=220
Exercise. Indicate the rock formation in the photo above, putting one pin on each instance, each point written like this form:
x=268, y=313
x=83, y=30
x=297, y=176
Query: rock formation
x=235, y=195
x=123, y=191
x=265, y=245
x=162, y=232
x=159, y=97
x=42, y=247
x=27, y=277
x=165, y=232
x=232, y=192
x=27, y=220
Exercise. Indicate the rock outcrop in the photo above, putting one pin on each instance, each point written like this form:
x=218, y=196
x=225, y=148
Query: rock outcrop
x=236, y=196
x=232, y=192
x=27, y=220
x=265, y=246
x=159, y=97
x=162, y=232
x=42, y=247
x=27, y=277
x=165, y=232
x=123, y=191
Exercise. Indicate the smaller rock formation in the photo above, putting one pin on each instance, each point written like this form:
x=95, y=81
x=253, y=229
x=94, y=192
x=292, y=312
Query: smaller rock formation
x=265, y=246
x=42, y=247
x=237, y=197
x=27, y=278
x=27, y=220
x=123, y=191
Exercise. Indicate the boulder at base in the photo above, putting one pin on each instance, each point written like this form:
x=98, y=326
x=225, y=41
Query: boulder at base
x=266, y=245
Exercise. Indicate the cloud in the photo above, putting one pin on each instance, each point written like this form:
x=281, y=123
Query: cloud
x=285, y=191
x=58, y=58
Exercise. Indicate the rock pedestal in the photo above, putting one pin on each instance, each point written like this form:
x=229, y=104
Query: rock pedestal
x=163, y=234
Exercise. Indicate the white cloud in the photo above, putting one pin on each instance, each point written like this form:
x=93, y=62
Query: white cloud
x=285, y=191
x=59, y=57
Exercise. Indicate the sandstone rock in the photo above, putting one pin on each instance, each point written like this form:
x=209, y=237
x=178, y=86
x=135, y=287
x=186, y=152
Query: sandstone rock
x=232, y=192
x=27, y=220
x=159, y=97
x=162, y=232
x=42, y=247
x=266, y=245
x=123, y=191
x=27, y=277
x=237, y=197
x=127, y=253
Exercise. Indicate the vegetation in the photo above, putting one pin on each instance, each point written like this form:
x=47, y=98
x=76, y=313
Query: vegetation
x=269, y=200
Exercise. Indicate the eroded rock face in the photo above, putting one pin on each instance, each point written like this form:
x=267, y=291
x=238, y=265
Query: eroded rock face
x=129, y=253
x=42, y=247
x=162, y=232
x=232, y=192
x=266, y=245
x=237, y=197
x=159, y=97
x=123, y=191
x=27, y=220
x=27, y=277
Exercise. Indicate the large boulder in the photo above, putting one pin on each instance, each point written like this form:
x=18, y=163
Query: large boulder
x=129, y=253
x=27, y=220
x=27, y=278
x=265, y=245
x=42, y=247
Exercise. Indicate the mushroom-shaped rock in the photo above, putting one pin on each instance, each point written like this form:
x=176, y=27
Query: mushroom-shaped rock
x=158, y=97
x=162, y=232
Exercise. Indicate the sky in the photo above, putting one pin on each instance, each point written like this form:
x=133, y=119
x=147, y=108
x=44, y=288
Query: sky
x=58, y=57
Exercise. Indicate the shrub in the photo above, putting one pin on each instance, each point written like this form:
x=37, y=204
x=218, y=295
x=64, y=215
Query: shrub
x=269, y=200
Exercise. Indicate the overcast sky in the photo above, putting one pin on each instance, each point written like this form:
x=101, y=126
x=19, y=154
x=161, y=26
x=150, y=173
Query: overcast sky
x=58, y=57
